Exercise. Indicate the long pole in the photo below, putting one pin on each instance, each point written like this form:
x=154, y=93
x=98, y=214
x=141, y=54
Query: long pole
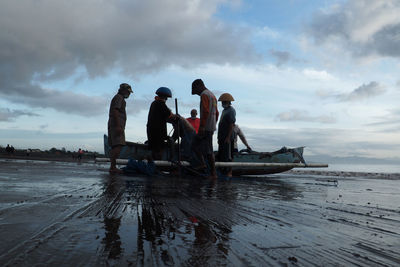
x=231, y=164
x=179, y=126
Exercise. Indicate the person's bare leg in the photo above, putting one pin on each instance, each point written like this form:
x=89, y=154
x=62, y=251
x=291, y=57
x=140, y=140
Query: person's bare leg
x=229, y=173
x=114, y=154
x=200, y=157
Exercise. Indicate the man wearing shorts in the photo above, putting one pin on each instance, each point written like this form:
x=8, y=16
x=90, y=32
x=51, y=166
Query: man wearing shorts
x=202, y=143
x=116, y=124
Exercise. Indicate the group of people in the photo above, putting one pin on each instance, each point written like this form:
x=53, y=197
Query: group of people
x=203, y=128
x=10, y=149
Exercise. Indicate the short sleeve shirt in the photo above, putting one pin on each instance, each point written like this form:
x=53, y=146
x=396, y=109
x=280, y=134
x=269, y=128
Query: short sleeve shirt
x=118, y=103
x=228, y=117
x=195, y=123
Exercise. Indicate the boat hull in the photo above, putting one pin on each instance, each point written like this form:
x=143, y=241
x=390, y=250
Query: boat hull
x=285, y=155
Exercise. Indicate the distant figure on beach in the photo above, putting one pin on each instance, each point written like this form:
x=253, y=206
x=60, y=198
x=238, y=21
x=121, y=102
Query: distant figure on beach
x=238, y=132
x=8, y=149
x=194, y=121
x=159, y=115
x=80, y=154
x=225, y=131
x=116, y=124
x=203, y=141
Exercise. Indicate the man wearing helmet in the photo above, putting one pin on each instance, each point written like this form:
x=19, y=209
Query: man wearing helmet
x=208, y=119
x=159, y=115
x=225, y=130
x=116, y=124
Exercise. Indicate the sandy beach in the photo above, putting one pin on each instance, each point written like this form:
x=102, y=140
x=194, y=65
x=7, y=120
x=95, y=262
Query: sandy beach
x=76, y=214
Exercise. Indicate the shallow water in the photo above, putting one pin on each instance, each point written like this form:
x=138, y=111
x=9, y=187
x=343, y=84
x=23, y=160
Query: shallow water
x=54, y=213
x=374, y=168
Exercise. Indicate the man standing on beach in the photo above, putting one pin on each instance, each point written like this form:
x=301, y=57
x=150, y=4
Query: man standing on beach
x=116, y=124
x=202, y=142
x=225, y=131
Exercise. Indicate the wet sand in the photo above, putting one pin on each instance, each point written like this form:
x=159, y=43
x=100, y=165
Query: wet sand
x=63, y=213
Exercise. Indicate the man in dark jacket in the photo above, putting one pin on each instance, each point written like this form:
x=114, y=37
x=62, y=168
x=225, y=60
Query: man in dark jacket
x=159, y=115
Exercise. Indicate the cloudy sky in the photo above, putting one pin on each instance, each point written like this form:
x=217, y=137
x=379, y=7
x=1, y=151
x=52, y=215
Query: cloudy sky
x=320, y=74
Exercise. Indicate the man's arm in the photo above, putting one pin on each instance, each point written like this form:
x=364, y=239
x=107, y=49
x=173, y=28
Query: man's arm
x=205, y=111
x=116, y=118
x=216, y=113
x=228, y=137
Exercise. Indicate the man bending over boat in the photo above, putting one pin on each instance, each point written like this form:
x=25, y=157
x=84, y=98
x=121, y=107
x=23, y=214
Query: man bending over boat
x=159, y=115
x=116, y=124
x=225, y=131
x=202, y=143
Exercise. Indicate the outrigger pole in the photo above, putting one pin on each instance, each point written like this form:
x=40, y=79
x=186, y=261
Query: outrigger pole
x=164, y=163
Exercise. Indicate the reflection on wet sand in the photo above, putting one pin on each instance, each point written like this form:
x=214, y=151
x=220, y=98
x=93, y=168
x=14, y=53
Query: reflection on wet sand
x=193, y=213
x=112, y=241
x=68, y=214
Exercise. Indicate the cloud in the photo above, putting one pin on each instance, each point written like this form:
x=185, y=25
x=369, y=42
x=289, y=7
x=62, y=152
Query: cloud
x=137, y=105
x=363, y=92
x=51, y=40
x=302, y=115
x=267, y=33
x=282, y=57
x=10, y=115
x=63, y=101
x=318, y=74
x=390, y=122
x=330, y=141
x=363, y=27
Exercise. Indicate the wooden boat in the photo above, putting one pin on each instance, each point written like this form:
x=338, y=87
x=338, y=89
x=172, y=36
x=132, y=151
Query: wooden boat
x=244, y=163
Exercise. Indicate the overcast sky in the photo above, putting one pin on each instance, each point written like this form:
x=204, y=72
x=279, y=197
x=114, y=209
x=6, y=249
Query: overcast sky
x=321, y=74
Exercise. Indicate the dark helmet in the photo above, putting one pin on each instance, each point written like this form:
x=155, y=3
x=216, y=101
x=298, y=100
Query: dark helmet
x=164, y=91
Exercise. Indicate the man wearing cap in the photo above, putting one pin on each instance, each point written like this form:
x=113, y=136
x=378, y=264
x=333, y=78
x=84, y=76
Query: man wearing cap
x=116, y=124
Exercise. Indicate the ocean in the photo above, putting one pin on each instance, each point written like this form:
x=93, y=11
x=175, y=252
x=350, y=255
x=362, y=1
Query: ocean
x=368, y=168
